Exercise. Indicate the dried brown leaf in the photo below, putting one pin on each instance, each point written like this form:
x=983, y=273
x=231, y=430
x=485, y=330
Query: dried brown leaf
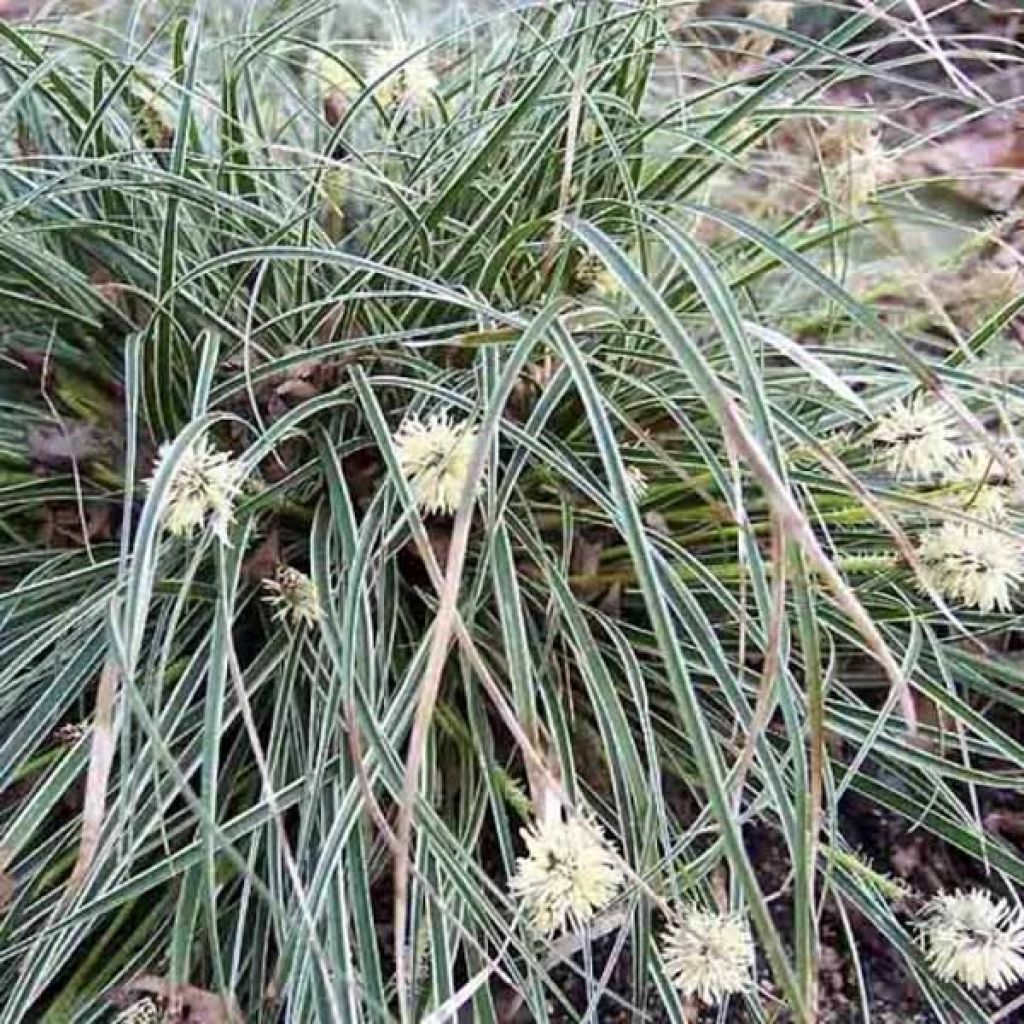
x=1006, y=823
x=185, y=1003
x=6, y=890
x=362, y=470
x=984, y=164
x=101, y=757
x=299, y=389
x=63, y=525
x=15, y=10
x=61, y=444
x=263, y=562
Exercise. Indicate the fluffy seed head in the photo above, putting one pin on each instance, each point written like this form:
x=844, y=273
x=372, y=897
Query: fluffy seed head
x=976, y=464
x=973, y=939
x=916, y=439
x=709, y=955
x=975, y=565
x=569, y=874
x=434, y=456
x=203, y=487
x=982, y=482
x=293, y=596
x=413, y=82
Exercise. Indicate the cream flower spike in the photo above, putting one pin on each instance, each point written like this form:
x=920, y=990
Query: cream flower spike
x=412, y=83
x=569, y=874
x=976, y=464
x=983, y=486
x=975, y=940
x=916, y=439
x=855, y=160
x=203, y=488
x=975, y=565
x=709, y=955
x=293, y=596
x=434, y=456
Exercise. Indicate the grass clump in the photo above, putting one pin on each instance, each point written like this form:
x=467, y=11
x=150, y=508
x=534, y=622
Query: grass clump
x=414, y=446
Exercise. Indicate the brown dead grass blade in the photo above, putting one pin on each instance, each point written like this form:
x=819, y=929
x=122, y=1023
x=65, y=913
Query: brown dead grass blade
x=6, y=890
x=101, y=757
x=430, y=684
x=184, y=1002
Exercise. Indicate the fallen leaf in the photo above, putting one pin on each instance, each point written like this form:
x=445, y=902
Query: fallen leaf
x=6, y=890
x=69, y=733
x=185, y=1003
x=906, y=858
x=611, y=603
x=60, y=445
x=263, y=562
x=985, y=163
x=63, y=525
x=1005, y=823
x=14, y=10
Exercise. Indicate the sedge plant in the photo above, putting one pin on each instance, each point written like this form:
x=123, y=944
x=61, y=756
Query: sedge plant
x=412, y=444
